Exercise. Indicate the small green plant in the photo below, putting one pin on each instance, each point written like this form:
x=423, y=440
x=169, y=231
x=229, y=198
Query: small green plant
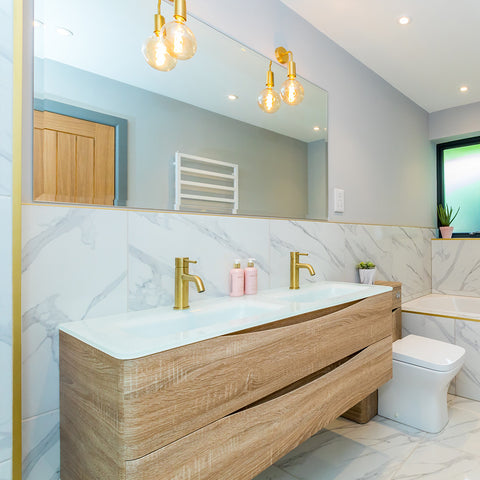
x=445, y=214
x=366, y=265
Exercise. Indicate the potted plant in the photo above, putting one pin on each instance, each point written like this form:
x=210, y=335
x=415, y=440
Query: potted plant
x=446, y=217
x=366, y=271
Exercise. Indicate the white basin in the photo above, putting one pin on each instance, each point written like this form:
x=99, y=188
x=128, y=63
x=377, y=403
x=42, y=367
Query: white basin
x=137, y=334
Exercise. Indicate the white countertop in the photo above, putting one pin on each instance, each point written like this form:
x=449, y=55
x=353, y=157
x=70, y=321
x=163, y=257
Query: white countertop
x=137, y=334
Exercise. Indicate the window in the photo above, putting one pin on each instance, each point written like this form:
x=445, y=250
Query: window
x=458, y=177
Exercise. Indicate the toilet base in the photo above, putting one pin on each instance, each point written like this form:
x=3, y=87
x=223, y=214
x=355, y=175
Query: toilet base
x=416, y=396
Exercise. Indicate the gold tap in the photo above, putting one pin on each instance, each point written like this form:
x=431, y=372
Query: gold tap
x=295, y=266
x=182, y=279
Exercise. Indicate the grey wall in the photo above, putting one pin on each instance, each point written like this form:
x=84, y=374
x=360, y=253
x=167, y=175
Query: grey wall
x=455, y=123
x=317, y=173
x=378, y=139
x=6, y=92
x=272, y=167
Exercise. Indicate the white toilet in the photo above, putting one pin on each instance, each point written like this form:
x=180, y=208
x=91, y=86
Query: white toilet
x=422, y=371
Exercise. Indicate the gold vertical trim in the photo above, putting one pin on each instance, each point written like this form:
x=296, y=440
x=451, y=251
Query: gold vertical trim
x=16, y=240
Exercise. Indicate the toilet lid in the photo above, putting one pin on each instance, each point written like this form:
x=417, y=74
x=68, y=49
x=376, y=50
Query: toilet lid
x=428, y=353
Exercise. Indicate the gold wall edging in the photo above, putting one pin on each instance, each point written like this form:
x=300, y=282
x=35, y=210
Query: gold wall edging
x=441, y=316
x=17, y=239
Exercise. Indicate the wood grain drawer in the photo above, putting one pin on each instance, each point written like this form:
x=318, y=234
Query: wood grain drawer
x=243, y=444
x=396, y=292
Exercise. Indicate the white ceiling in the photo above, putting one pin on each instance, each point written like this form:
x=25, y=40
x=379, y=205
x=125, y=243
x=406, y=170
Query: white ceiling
x=427, y=60
x=107, y=40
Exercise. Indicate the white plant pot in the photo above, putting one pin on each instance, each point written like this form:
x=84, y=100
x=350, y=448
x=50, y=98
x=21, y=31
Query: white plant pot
x=367, y=275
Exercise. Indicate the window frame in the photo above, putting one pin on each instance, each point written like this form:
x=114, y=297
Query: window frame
x=441, y=147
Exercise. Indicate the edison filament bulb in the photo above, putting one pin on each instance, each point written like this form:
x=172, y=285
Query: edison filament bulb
x=156, y=54
x=292, y=91
x=179, y=40
x=269, y=100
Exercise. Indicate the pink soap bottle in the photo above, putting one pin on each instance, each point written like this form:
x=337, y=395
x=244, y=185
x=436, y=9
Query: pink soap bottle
x=250, y=278
x=237, y=280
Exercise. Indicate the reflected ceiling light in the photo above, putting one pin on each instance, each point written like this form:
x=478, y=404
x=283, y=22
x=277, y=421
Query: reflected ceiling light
x=404, y=20
x=464, y=88
x=65, y=32
x=292, y=90
x=233, y=97
x=317, y=129
x=154, y=49
x=37, y=23
x=269, y=100
x=179, y=39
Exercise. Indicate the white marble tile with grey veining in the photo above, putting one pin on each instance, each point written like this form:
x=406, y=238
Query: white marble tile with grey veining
x=6, y=470
x=324, y=243
x=155, y=239
x=274, y=473
x=412, y=260
x=74, y=264
x=456, y=267
x=41, y=447
x=438, y=328
x=467, y=335
x=368, y=243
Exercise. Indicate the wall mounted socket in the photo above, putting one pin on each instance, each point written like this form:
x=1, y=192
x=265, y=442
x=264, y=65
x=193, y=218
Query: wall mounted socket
x=338, y=200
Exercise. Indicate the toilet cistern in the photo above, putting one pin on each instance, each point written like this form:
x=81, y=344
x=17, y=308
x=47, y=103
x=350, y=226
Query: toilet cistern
x=182, y=280
x=295, y=266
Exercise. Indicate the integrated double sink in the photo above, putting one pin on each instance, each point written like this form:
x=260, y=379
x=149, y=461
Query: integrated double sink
x=137, y=334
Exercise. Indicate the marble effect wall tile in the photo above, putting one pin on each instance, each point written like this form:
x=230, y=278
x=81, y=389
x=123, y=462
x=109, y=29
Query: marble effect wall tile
x=412, y=260
x=456, y=267
x=322, y=241
x=6, y=470
x=438, y=328
x=468, y=380
x=74, y=267
x=41, y=447
x=155, y=239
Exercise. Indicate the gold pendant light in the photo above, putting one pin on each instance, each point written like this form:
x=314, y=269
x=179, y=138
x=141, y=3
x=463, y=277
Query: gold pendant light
x=154, y=49
x=269, y=100
x=292, y=90
x=178, y=38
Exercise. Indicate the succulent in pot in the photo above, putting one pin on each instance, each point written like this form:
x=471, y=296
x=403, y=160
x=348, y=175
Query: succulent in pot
x=446, y=217
x=366, y=272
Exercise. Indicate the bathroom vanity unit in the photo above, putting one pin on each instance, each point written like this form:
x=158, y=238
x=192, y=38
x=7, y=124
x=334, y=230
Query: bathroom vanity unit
x=218, y=405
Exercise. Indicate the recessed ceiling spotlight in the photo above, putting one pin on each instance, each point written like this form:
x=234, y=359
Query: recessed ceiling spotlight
x=65, y=32
x=233, y=97
x=37, y=23
x=464, y=88
x=316, y=128
x=404, y=20
x=243, y=49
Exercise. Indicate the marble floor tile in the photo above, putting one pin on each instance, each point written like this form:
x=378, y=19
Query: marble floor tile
x=272, y=473
x=432, y=461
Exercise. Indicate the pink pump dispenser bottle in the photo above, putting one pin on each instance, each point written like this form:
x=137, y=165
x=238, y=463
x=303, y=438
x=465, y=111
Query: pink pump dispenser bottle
x=250, y=278
x=237, y=280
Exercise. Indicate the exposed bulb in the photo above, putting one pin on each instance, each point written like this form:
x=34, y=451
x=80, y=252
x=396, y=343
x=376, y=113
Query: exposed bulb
x=155, y=52
x=179, y=40
x=292, y=91
x=269, y=100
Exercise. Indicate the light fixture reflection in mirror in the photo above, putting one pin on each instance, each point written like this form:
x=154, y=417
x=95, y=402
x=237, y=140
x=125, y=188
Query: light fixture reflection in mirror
x=292, y=90
x=269, y=100
x=179, y=39
x=154, y=49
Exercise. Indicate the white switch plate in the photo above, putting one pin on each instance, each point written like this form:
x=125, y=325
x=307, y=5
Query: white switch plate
x=339, y=200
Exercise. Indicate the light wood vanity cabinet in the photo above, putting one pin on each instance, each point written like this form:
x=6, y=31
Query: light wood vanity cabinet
x=227, y=407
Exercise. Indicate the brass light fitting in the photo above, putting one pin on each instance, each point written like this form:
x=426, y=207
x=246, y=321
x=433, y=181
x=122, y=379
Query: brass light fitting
x=269, y=100
x=292, y=90
x=159, y=19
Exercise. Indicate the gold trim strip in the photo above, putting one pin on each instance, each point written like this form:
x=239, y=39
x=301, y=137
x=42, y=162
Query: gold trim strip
x=292, y=219
x=441, y=316
x=17, y=240
x=455, y=239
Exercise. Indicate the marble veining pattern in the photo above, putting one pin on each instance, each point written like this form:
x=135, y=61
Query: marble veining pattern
x=456, y=267
x=468, y=380
x=386, y=450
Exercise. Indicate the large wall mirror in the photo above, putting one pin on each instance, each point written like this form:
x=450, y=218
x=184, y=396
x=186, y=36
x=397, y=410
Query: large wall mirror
x=111, y=130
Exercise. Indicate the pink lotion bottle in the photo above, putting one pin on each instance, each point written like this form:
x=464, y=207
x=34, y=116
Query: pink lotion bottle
x=250, y=278
x=237, y=280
